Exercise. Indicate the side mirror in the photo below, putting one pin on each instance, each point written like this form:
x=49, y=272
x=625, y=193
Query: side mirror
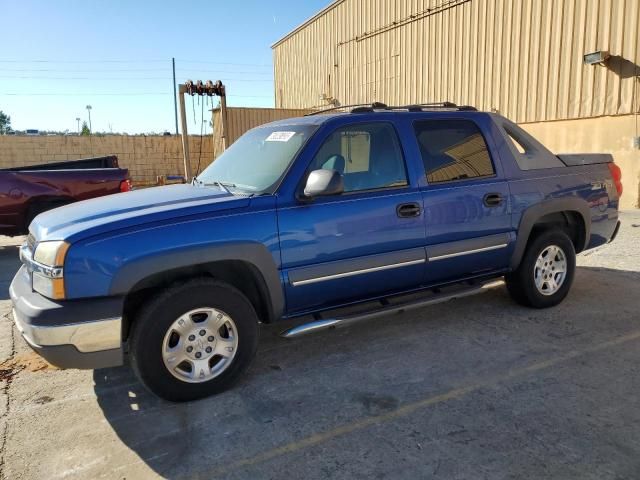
x=323, y=182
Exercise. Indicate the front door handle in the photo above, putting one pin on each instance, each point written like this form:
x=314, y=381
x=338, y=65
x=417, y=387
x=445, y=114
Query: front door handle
x=408, y=210
x=492, y=199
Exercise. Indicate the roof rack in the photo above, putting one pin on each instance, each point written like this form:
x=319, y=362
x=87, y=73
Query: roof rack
x=369, y=107
x=419, y=107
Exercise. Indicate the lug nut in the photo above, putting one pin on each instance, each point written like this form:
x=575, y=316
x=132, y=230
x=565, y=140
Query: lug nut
x=203, y=333
x=192, y=337
x=208, y=349
x=189, y=349
x=210, y=338
x=198, y=354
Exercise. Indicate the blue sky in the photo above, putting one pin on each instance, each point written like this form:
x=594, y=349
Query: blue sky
x=59, y=56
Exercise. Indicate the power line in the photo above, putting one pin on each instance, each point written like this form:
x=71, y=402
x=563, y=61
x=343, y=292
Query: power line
x=260, y=65
x=31, y=77
x=231, y=95
x=263, y=65
x=21, y=94
x=222, y=72
x=84, y=70
x=83, y=61
x=109, y=70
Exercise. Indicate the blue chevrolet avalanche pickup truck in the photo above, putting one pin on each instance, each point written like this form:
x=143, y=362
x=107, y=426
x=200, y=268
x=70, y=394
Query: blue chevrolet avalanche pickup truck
x=386, y=207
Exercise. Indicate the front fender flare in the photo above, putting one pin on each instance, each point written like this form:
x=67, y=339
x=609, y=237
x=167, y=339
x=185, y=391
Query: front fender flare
x=256, y=254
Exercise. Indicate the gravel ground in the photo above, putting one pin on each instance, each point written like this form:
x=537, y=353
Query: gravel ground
x=475, y=388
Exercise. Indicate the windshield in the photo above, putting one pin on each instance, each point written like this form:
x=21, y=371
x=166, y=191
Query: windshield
x=258, y=159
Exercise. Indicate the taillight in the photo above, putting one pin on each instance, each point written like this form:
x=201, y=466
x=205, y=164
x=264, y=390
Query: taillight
x=616, y=174
x=125, y=185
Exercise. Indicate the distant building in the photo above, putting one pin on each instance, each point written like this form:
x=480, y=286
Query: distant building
x=524, y=59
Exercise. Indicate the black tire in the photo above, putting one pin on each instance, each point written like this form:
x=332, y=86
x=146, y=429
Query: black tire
x=521, y=283
x=156, y=317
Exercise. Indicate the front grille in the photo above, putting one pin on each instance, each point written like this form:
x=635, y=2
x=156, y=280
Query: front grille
x=31, y=242
x=27, y=249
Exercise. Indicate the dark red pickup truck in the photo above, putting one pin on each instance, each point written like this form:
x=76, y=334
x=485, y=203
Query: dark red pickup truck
x=28, y=191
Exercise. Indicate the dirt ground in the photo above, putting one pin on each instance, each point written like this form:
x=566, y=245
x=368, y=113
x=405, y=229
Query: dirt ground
x=474, y=388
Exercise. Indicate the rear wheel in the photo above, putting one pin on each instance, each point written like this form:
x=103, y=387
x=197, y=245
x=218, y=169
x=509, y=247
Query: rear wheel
x=194, y=340
x=546, y=272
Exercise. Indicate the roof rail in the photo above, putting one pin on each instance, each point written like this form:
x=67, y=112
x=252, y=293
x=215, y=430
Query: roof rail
x=365, y=107
x=418, y=107
x=370, y=108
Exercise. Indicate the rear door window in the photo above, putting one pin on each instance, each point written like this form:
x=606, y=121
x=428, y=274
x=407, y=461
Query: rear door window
x=453, y=150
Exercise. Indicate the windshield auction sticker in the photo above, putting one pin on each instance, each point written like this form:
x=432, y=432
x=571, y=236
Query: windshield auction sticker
x=280, y=136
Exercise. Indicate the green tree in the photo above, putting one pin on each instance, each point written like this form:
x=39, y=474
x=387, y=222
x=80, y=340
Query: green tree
x=85, y=129
x=5, y=123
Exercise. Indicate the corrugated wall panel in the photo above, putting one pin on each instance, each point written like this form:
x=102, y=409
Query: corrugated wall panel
x=520, y=57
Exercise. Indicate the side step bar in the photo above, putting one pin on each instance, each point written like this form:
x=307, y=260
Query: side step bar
x=439, y=297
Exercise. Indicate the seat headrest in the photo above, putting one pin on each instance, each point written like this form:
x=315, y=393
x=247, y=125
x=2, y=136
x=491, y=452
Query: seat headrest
x=335, y=162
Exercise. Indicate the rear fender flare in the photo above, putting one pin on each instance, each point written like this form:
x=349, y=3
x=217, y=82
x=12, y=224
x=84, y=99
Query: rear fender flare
x=534, y=213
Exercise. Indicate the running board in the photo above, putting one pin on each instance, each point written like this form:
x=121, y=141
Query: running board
x=439, y=297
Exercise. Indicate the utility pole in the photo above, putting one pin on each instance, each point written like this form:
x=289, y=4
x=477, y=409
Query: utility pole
x=225, y=122
x=185, y=136
x=175, y=95
x=78, y=120
x=89, y=110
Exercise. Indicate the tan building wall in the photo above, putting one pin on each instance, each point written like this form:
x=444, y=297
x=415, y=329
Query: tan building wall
x=242, y=119
x=596, y=135
x=522, y=58
x=145, y=157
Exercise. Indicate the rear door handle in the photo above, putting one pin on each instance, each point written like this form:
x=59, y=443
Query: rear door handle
x=492, y=199
x=408, y=210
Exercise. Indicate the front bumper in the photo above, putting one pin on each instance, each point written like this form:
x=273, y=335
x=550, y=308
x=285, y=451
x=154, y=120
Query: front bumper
x=84, y=333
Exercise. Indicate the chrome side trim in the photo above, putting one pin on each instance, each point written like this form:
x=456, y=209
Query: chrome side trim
x=468, y=252
x=357, y=272
x=92, y=336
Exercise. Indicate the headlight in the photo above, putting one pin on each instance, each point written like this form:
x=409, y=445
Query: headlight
x=47, y=268
x=51, y=254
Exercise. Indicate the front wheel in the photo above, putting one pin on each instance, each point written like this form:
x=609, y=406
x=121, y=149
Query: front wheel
x=194, y=340
x=545, y=274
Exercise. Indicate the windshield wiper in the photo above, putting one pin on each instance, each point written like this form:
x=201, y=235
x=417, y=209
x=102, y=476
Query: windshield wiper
x=224, y=185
